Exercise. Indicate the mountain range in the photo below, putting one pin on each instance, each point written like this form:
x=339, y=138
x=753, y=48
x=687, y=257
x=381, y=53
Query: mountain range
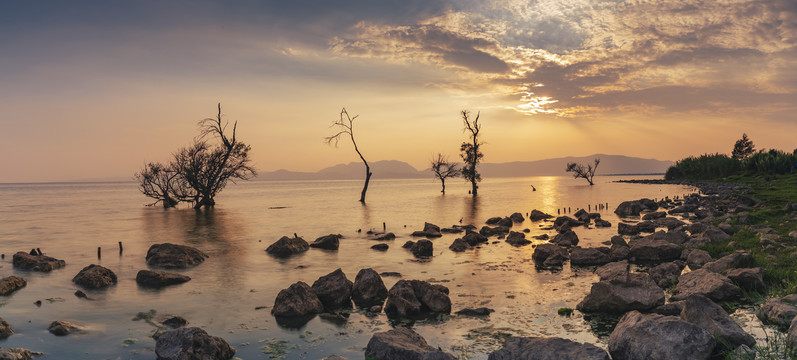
x=394, y=169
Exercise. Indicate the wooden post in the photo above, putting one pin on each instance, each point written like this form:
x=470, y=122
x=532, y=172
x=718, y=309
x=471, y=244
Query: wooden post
x=99, y=252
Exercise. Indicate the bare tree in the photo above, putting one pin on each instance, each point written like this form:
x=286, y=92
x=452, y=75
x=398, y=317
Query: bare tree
x=743, y=148
x=158, y=181
x=579, y=171
x=346, y=127
x=470, y=151
x=443, y=169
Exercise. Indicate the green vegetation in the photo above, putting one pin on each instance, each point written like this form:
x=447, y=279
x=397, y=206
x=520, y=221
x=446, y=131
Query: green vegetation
x=565, y=311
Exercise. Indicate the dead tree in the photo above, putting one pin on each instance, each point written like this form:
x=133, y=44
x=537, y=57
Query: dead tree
x=159, y=181
x=579, y=171
x=443, y=169
x=346, y=127
x=470, y=151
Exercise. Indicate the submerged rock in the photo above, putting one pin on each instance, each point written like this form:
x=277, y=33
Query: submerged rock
x=539, y=348
x=417, y=298
x=286, y=246
x=63, y=328
x=380, y=247
x=330, y=242
x=10, y=284
x=5, y=329
x=191, y=343
x=639, y=336
x=296, y=301
x=25, y=261
x=402, y=344
x=159, y=279
x=334, y=290
x=384, y=237
x=459, y=245
x=368, y=289
x=95, y=277
x=174, y=256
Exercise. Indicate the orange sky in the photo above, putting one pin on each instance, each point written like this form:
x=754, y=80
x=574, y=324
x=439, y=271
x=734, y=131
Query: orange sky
x=95, y=89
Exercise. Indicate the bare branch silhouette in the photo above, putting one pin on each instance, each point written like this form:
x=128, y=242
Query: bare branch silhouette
x=579, y=171
x=346, y=126
x=444, y=169
x=470, y=151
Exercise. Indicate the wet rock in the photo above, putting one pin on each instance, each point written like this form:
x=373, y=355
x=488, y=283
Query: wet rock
x=25, y=261
x=332, y=241
x=380, y=247
x=549, y=255
x=15, y=354
x=779, y=311
x=666, y=275
x=517, y=239
x=5, y=329
x=298, y=300
x=452, y=230
x=516, y=217
x=750, y=279
x=459, y=245
x=564, y=223
x=639, y=336
x=539, y=348
x=95, y=277
x=431, y=230
x=541, y=237
x=473, y=238
x=286, y=246
x=159, y=279
x=716, y=287
x=406, y=245
x=388, y=236
x=495, y=231
x=704, y=313
x=653, y=251
x=174, y=256
x=589, y=256
x=334, y=290
x=388, y=273
x=402, y=344
x=506, y=222
x=191, y=343
x=697, y=258
x=173, y=321
x=537, y=215
x=739, y=258
x=368, y=289
x=654, y=215
x=602, y=223
x=81, y=295
x=63, y=328
x=612, y=269
x=422, y=248
x=566, y=238
x=10, y=284
x=633, y=291
x=416, y=298
x=493, y=220
x=628, y=209
x=482, y=311
x=627, y=229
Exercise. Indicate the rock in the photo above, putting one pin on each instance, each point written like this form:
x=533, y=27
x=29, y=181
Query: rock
x=298, y=300
x=716, y=235
x=482, y=311
x=422, y=248
x=727, y=228
x=368, y=289
x=5, y=329
x=506, y=222
x=452, y=230
x=779, y=311
x=602, y=223
x=739, y=258
x=388, y=236
x=704, y=313
x=334, y=290
x=498, y=230
x=158, y=279
x=95, y=277
x=697, y=258
x=473, y=238
x=431, y=230
x=628, y=209
x=618, y=252
x=380, y=247
x=62, y=328
x=791, y=337
x=549, y=255
x=191, y=343
x=516, y=217
x=588, y=256
x=493, y=220
x=639, y=336
x=406, y=245
x=402, y=344
x=541, y=237
x=537, y=215
x=539, y=348
x=332, y=241
x=671, y=308
x=25, y=261
x=566, y=238
x=634, y=291
x=517, y=239
x=697, y=228
x=670, y=223
x=743, y=352
x=174, y=256
x=612, y=270
x=334, y=357
x=460, y=245
x=173, y=321
x=654, y=215
x=10, y=284
x=416, y=298
x=793, y=235
x=676, y=237
x=286, y=246
x=81, y=295
x=716, y=287
x=627, y=229
x=666, y=275
x=750, y=279
x=653, y=251
x=564, y=223
x=15, y=354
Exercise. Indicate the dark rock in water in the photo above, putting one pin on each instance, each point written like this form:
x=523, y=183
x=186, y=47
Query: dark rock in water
x=388, y=273
x=618, y=240
x=286, y=246
x=407, y=244
x=564, y=223
x=416, y=298
x=632, y=291
x=422, y=248
x=566, y=238
x=339, y=318
x=506, y=222
x=380, y=247
x=334, y=290
x=704, y=313
x=418, y=233
x=80, y=294
x=498, y=230
x=779, y=311
x=296, y=301
x=62, y=328
x=653, y=251
x=750, y=279
x=666, y=275
x=549, y=255
x=627, y=229
x=431, y=230
x=697, y=258
x=159, y=279
x=655, y=215
x=329, y=242
x=459, y=245
x=716, y=287
x=452, y=230
x=402, y=344
x=639, y=336
x=611, y=270
x=388, y=236
x=602, y=223
x=16, y=354
x=368, y=289
x=174, y=321
x=516, y=217
x=482, y=311
x=191, y=343
x=25, y=261
x=493, y=220
x=539, y=348
x=174, y=256
x=628, y=209
x=5, y=329
x=517, y=239
x=541, y=237
x=95, y=277
x=537, y=215
x=473, y=238
x=10, y=284
x=589, y=256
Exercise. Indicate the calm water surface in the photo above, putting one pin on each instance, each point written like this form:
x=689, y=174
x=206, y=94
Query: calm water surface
x=69, y=221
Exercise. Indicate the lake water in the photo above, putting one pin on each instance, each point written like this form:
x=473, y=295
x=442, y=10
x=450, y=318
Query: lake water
x=70, y=221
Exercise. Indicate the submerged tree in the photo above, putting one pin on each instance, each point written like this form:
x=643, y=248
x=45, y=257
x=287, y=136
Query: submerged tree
x=198, y=172
x=743, y=148
x=346, y=127
x=444, y=169
x=470, y=151
x=579, y=171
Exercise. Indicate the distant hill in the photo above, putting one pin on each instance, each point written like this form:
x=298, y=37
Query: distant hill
x=393, y=169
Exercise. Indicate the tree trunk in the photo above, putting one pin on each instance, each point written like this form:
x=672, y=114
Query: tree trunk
x=444, y=185
x=367, y=180
x=473, y=182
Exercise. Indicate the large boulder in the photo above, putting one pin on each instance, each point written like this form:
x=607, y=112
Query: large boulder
x=402, y=344
x=416, y=298
x=667, y=274
x=779, y=311
x=517, y=239
x=25, y=261
x=286, y=246
x=750, y=279
x=612, y=269
x=328, y=242
x=549, y=255
x=653, y=251
x=422, y=248
x=701, y=311
x=632, y=291
x=716, y=287
x=537, y=215
x=298, y=300
x=627, y=229
x=697, y=258
x=159, y=279
x=589, y=256
x=95, y=277
x=460, y=245
x=334, y=290
x=539, y=348
x=659, y=337
x=628, y=209
x=5, y=329
x=516, y=217
x=739, y=258
x=563, y=223
x=473, y=238
x=368, y=289
x=174, y=256
x=191, y=343
x=10, y=284
x=430, y=230
x=566, y=238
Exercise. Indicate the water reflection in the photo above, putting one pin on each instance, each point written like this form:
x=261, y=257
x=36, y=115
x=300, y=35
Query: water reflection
x=471, y=209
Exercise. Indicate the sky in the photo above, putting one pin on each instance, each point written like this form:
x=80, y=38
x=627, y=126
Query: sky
x=96, y=89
